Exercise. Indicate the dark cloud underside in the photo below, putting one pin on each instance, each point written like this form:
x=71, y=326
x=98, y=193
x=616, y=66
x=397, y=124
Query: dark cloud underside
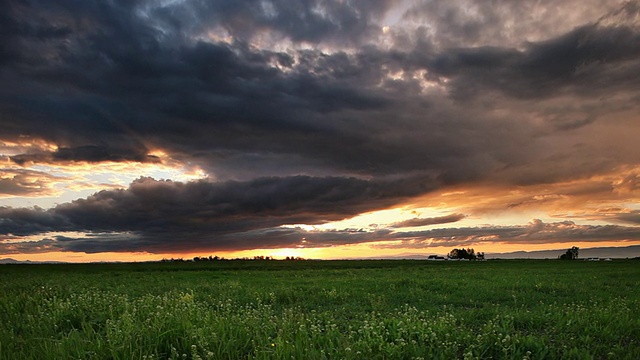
x=174, y=215
x=429, y=221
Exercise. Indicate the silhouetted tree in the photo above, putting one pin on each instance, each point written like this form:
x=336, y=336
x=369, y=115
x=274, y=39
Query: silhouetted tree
x=571, y=254
x=463, y=253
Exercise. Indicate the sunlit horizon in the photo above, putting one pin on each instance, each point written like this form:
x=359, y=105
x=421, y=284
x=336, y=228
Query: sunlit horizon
x=148, y=130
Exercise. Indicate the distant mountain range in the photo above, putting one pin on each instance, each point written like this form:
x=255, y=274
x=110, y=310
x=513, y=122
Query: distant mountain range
x=14, y=261
x=600, y=252
x=9, y=261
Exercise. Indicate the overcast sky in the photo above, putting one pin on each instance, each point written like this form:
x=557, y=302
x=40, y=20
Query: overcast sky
x=201, y=127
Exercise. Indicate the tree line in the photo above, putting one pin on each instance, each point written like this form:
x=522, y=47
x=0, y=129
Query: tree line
x=218, y=258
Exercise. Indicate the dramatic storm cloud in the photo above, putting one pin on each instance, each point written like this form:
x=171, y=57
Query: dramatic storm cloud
x=265, y=116
x=168, y=215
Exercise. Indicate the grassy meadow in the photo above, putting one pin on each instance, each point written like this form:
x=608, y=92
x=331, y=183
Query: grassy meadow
x=322, y=310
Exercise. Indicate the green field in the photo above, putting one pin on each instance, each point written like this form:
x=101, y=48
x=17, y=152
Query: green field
x=322, y=310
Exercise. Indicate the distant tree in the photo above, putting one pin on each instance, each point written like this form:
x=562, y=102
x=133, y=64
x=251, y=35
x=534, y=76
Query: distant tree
x=293, y=258
x=571, y=254
x=463, y=253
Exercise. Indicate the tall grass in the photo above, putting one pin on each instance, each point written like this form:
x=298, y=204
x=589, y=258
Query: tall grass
x=321, y=310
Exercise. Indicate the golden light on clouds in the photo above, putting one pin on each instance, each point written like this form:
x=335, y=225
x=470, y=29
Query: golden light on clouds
x=588, y=195
x=25, y=144
x=46, y=184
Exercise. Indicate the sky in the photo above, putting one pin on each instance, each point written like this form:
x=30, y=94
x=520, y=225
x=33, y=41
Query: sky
x=141, y=130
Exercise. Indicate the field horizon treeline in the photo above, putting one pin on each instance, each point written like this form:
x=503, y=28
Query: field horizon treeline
x=339, y=309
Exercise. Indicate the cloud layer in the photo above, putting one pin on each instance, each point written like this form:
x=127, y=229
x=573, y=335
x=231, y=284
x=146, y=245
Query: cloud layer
x=170, y=216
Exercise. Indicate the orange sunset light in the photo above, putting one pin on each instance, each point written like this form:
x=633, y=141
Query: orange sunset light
x=219, y=131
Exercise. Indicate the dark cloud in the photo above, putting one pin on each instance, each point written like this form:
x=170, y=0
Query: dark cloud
x=308, y=21
x=29, y=221
x=429, y=221
x=632, y=217
x=567, y=63
x=123, y=80
x=177, y=216
x=536, y=232
x=87, y=153
x=471, y=23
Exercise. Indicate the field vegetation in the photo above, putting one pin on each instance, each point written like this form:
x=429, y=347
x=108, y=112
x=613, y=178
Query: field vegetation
x=322, y=310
